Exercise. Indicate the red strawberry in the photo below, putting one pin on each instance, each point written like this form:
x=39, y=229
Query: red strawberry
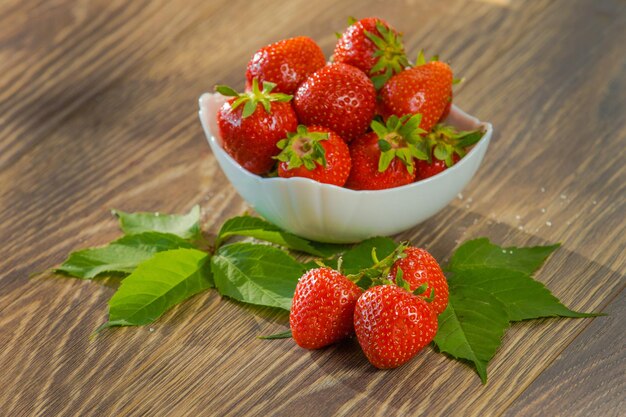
x=286, y=63
x=374, y=47
x=385, y=157
x=446, y=111
x=339, y=97
x=393, y=325
x=446, y=146
x=427, y=169
x=322, y=308
x=418, y=268
x=316, y=153
x=249, y=131
x=425, y=89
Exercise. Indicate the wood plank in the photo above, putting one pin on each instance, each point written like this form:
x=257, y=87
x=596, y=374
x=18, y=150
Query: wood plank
x=137, y=146
x=54, y=58
x=595, y=359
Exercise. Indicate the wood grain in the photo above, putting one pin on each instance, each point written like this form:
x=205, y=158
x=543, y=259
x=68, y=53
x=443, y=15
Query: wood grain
x=98, y=110
x=593, y=359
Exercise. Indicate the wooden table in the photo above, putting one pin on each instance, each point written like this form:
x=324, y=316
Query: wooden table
x=98, y=110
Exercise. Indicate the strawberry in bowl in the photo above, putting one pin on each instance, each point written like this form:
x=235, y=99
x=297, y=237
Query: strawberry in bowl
x=368, y=145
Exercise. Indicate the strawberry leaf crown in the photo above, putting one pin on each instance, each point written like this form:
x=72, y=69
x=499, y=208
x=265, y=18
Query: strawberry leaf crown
x=421, y=60
x=251, y=99
x=378, y=273
x=444, y=141
x=400, y=138
x=303, y=148
x=390, y=52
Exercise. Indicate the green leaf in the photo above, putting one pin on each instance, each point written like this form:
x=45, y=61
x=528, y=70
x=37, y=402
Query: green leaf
x=122, y=255
x=470, y=139
x=385, y=160
x=380, y=129
x=158, y=284
x=523, y=297
x=281, y=335
x=480, y=253
x=226, y=91
x=360, y=256
x=249, y=108
x=263, y=230
x=489, y=287
x=471, y=327
x=421, y=59
x=186, y=226
x=383, y=145
x=256, y=274
x=506, y=274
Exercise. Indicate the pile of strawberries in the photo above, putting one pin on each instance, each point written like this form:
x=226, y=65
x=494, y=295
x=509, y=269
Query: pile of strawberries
x=393, y=319
x=369, y=120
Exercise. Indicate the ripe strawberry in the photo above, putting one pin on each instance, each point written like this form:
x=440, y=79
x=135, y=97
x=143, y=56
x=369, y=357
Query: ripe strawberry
x=427, y=169
x=393, y=325
x=322, y=308
x=250, y=132
x=425, y=89
x=446, y=111
x=374, y=47
x=385, y=157
x=420, y=267
x=446, y=146
x=339, y=97
x=287, y=63
x=316, y=153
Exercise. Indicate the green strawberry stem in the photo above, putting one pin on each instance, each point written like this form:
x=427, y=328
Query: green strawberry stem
x=444, y=141
x=390, y=52
x=400, y=137
x=378, y=272
x=421, y=59
x=251, y=99
x=303, y=148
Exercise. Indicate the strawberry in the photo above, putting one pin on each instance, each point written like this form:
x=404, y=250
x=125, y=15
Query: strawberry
x=316, y=153
x=287, y=63
x=427, y=169
x=393, y=325
x=446, y=111
x=418, y=268
x=445, y=147
x=322, y=308
x=250, y=132
x=385, y=157
x=339, y=97
x=374, y=47
x=425, y=89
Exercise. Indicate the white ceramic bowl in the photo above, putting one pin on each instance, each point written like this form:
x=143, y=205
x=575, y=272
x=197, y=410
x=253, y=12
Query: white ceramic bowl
x=328, y=213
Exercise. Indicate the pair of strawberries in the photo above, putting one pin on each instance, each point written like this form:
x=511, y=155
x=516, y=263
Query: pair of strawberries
x=393, y=319
x=366, y=121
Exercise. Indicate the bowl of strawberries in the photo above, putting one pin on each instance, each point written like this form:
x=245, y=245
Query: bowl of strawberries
x=369, y=144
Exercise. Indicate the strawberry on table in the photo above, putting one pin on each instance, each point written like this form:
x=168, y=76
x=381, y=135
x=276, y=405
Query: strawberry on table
x=445, y=147
x=425, y=89
x=374, y=47
x=385, y=158
x=314, y=152
x=322, y=309
x=286, y=63
x=339, y=97
x=251, y=124
x=393, y=325
x=418, y=268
